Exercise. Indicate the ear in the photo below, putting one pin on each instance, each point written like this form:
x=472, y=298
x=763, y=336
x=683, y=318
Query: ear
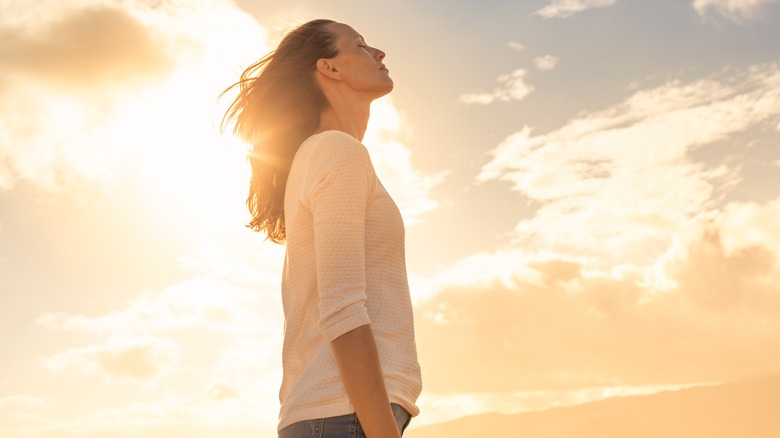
x=327, y=68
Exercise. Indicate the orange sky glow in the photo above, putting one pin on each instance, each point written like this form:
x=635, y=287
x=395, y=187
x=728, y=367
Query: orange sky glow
x=592, y=204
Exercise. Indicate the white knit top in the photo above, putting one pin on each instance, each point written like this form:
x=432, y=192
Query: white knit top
x=344, y=267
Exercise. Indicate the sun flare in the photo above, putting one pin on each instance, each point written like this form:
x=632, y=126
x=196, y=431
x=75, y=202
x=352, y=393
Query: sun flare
x=170, y=131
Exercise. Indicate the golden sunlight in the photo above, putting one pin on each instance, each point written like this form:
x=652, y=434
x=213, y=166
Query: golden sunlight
x=592, y=247
x=170, y=131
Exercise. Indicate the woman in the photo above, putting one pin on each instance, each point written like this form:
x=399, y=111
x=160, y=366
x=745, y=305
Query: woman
x=349, y=356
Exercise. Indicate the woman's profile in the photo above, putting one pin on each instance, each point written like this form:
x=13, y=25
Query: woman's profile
x=350, y=364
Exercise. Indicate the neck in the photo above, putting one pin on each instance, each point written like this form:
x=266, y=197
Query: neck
x=345, y=114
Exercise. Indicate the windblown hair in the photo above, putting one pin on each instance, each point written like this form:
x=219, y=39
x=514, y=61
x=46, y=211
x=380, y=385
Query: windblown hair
x=278, y=107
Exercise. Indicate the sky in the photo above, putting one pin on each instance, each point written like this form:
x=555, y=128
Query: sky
x=590, y=189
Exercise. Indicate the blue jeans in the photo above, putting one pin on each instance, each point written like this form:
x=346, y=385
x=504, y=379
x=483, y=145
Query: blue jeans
x=343, y=426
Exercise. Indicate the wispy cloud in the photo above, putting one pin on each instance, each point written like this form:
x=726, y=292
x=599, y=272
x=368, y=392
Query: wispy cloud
x=139, y=360
x=624, y=173
x=144, y=343
x=450, y=406
x=566, y=8
x=210, y=343
x=514, y=45
x=23, y=402
x=162, y=416
x=198, y=302
x=512, y=87
x=25, y=415
x=734, y=10
x=545, y=63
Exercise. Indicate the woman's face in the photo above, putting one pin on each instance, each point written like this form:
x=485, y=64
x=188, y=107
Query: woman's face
x=360, y=65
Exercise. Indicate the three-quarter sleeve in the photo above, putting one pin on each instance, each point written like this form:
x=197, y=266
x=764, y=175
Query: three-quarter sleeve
x=338, y=201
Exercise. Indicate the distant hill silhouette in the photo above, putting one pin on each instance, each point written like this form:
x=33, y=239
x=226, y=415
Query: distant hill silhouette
x=749, y=409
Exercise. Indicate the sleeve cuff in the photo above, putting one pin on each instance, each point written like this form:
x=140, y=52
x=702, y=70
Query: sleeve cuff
x=348, y=319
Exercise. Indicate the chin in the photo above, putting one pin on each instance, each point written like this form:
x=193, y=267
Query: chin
x=379, y=89
x=384, y=91
x=389, y=86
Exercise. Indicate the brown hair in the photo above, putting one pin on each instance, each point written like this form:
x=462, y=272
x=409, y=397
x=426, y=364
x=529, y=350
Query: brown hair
x=278, y=107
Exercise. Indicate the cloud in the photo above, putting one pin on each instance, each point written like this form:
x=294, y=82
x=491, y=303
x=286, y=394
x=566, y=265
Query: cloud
x=749, y=225
x=731, y=279
x=138, y=360
x=392, y=160
x=636, y=270
x=23, y=402
x=204, y=351
x=221, y=391
x=7, y=178
x=86, y=48
x=512, y=87
x=566, y=8
x=439, y=408
x=91, y=91
x=134, y=361
x=72, y=117
x=514, y=45
x=163, y=415
x=198, y=302
x=618, y=183
x=569, y=327
x=24, y=415
x=735, y=10
x=545, y=63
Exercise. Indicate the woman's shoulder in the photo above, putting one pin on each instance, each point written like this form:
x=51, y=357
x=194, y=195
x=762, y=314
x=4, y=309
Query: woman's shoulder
x=336, y=146
x=334, y=139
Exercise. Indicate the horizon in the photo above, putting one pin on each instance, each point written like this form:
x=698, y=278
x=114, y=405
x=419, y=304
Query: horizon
x=695, y=411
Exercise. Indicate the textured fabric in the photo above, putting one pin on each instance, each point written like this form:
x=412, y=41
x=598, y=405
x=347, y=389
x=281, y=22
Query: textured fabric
x=344, y=267
x=342, y=426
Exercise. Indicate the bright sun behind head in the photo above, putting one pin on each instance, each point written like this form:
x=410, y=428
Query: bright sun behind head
x=170, y=131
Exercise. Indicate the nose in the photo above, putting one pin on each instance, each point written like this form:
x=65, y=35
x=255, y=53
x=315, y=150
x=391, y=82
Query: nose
x=380, y=55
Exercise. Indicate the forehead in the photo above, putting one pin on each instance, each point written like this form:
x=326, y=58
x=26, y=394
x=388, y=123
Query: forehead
x=343, y=31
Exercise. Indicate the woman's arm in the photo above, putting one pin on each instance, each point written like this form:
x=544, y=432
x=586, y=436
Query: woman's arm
x=338, y=202
x=358, y=362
